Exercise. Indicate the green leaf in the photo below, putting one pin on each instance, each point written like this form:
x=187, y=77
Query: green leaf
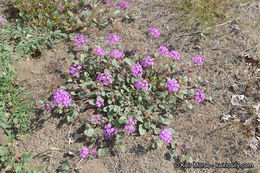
x=174, y=154
x=92, y=102
x=188, y=104
x=157, y=131
x=26, y=157
x=103, y=152
x=3, y=151
x=117, y=12
x=159, y=143
x=122, y=147
x=89, y=132
x=142, y=131
x=128, y=61
x=147, y=126
x=65, y=166
x=139, y=118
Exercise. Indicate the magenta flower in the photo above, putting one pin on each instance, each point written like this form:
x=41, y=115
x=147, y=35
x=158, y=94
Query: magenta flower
x=123, y=4
x=155, y=32
x=174, y=54
x=60, y=7
x=113, y=38
x=75, y=70
x=47, y=107
x=99, y=102
x=163, y=50
x=108, y=131
x=84, y=152
x=199, y=95
x=2, y=20
x=130, y=127
x=116, y=54
x=198, y=60
x=137, y=70
x=94, y=119
x=62, y=97
x=94, y=152
x=100, y=51
x=166, y=136
x=173, y=85
x=80, y=40
x=141, y=84
x=148, y=61
x=105, y=78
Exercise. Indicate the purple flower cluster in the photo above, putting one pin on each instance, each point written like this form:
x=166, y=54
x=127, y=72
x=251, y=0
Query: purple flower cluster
x=172, y=85
x=130, y=127
x=123, y=4
x=80, y=40
x=163, y=50
x=148, y=61
x=74, y=70
x=62, y=97
x=155, y=32
x=60, y=7
x=198, y=60
x=166, y=136
x=116, y=54
x=105, y=78
x=2, y=20
x=113, y=38
x=137, y=70
x=99, y=102
x=100, y=51
x=174, y=54
x=94, y=119
x=108, y=131
x=84, y=152
x=199, y=95
x=47, y=107
x=141, y=84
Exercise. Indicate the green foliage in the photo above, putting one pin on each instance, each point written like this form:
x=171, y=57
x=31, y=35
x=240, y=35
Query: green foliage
x=13, y=162
x=205, y=13
x=66, y=14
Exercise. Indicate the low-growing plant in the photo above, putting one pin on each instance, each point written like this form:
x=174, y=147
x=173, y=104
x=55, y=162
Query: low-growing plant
x=205, y=13
x=13, y=161
x=71, y=15
x=128, y=95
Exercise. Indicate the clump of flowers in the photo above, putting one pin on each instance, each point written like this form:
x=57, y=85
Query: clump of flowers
x=163, y=50
x=47, y=107
x=60, y=7
x=100, y=51
x=108, y=131
x=155, y=32
x=130, y=127
x=2, y=20
x=62, y=97
x=80, y=40
x=198, y=60
x=199, y=95
x=141, y=84
x=113, y=38
x=74, y=70
x=123, y=4
x=84, y=152
x=116, y=54
x=99, y=102
x=137, y=70
x=94, y=119
x=174, y=54
x=105, y=78
x=148, y=61
x=172, y=85
x=166, y=136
